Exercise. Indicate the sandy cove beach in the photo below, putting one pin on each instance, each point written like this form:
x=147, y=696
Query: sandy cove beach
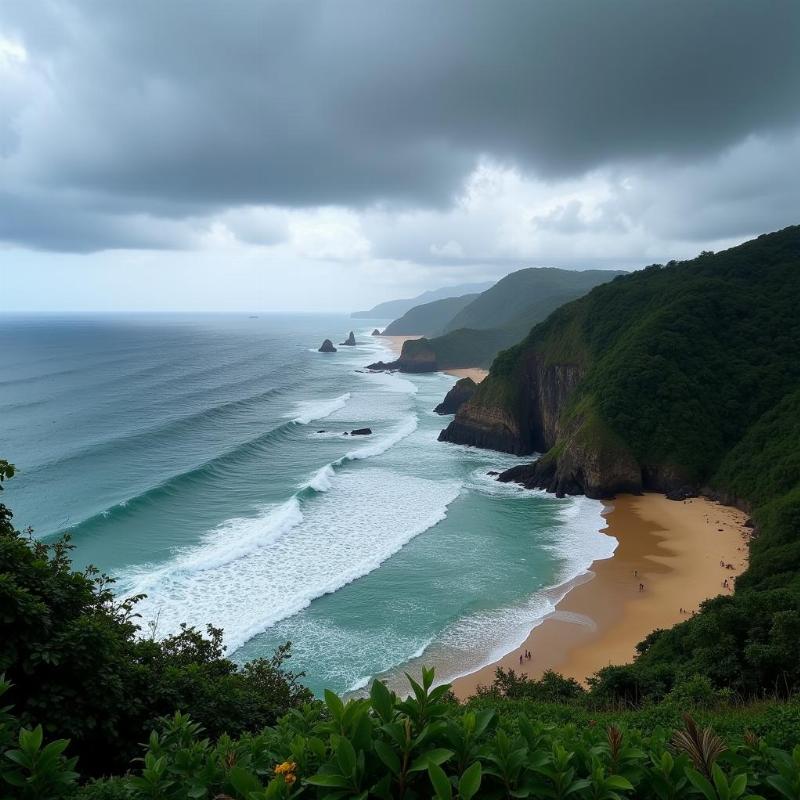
x=476, y=373
x=673, y=548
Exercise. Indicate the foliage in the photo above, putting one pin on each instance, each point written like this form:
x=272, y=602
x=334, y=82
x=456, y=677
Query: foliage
x=78, y=667
x=500, y=316
x=385, y=746
x=693, y=371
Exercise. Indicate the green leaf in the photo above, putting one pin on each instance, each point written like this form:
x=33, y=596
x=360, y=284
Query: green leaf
x=701, y=784
x=387, y=755
x=440, y=781
x=334, y=703
x=738, y=785
x=381, y=699
x=329, y=779
x=470, y=781
x=346, y=756
x=782, y=785
x=619, y=782
x=436, y=756
x=243, y=781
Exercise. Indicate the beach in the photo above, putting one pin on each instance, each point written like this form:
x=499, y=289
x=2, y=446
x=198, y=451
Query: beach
x=680, y=552
x=476, y=373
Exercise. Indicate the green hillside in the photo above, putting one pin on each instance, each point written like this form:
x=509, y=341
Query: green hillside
x=527, y=296
x=680, y=379
x=428, y=319
x=497, y=318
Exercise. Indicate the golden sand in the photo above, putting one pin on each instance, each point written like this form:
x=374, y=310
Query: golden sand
x=673, y=548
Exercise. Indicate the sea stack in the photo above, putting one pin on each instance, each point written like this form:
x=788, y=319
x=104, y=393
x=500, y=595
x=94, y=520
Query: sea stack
x=460, y=392
x=327, y=347
x=350, y=341
x=376, y=332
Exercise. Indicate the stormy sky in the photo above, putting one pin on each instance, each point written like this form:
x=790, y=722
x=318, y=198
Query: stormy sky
x=298, y=155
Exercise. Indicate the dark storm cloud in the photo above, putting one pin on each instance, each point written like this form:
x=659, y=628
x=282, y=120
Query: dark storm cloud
x=186, y=108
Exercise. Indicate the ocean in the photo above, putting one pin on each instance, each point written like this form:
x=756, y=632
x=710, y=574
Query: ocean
x=204, y=460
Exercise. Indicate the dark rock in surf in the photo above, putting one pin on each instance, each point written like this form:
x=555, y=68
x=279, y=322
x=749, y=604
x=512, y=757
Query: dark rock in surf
x=459, y=393
x=350, y=341
x=376, y=332
x=361, y=432
x=327, y=347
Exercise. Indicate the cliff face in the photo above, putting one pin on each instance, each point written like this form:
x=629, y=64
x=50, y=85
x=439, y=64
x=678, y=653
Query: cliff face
x=522, y=417
x=459, y=394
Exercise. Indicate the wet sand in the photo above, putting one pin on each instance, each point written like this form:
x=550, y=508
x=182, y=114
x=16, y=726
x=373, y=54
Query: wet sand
x=673, y=548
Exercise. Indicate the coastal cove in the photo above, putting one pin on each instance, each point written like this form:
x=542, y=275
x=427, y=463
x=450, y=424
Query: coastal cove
x=682, y=552
x=210, y=468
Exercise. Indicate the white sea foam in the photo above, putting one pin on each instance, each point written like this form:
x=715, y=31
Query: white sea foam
x=483, y=637
x=309, y=410
x=379, y=446
x=321, y=481
x=340, y=536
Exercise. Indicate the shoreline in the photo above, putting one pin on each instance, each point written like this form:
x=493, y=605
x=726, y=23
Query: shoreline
x=675, y=549
x=395, y=344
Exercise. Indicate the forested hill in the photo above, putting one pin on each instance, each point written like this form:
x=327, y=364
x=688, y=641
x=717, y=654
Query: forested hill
x=679, y=378
x=499, y=317
x=525, y=297
x=428, y=319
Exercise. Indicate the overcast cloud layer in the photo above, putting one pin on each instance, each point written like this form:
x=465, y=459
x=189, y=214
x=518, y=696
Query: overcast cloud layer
x=337, y=153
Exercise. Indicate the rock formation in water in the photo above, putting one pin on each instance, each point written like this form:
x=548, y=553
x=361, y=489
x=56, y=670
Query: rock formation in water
x=361, y=432
x=350, y=341
x=376, y=332
x=327, y=347
x=459, y=393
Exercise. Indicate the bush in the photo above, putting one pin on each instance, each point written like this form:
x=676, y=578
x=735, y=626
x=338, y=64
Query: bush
x=78, y=667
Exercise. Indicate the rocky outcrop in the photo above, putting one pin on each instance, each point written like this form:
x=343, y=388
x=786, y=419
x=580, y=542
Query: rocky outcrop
x=361, y=432
x=525, y=413
x=327, y=347
x=350, y=341
x=580, y=466
x=459, y=394
x=519, y=414
x=376, y=332
x=414, y=357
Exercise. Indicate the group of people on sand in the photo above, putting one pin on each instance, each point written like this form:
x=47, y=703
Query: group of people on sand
x=527, y=655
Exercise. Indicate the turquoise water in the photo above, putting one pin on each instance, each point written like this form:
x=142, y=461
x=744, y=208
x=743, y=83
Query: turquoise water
x=203, y=460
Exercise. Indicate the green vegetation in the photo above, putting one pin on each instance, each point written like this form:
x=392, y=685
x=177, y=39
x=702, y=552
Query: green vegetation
x=527, y=296
x=693, y=370
x=70, y=650
x=462, y=348
x=426, y=746
x=501, y=316
x=428, y=319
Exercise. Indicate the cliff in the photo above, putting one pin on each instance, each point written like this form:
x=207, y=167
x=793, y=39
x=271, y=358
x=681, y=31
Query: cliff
x=459, y=394
x=649, y=381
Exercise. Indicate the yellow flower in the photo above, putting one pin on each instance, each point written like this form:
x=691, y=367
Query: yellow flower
x=287, y=770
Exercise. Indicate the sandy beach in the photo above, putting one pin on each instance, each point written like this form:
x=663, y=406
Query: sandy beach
x=476, y=373
x=672, y=548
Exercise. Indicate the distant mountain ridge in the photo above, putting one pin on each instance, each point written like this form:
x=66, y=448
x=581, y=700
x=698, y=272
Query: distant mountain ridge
x=497, y=318
x=428, y=319
x=392, y=309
